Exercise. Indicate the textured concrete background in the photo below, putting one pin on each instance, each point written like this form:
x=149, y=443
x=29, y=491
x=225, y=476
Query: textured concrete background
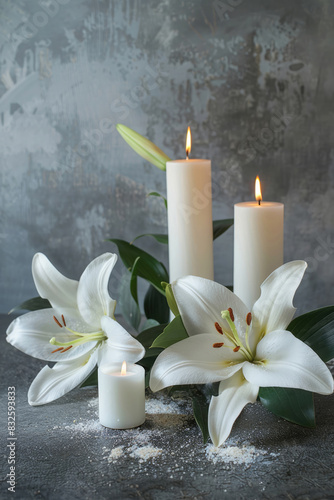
x=253, y=79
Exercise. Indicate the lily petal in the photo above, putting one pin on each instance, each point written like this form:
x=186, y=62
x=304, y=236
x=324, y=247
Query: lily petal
x=274, y=309
x=194, y=361
x=93, y=297
x=200, y=302
x=52, y=285
x=234, y=394
x=120, y=346
x=31, y=334
x=52, y=383
x=288, y=362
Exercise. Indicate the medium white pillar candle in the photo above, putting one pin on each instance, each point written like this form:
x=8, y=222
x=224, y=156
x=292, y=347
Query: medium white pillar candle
x=121, y=396
x=258, y=245
x=190, y=233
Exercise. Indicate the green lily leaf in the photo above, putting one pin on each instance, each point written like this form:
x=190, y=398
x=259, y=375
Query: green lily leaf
x=171, y=299
x=316, y=329
x=133, y=280
x=201, y=410
x=32, y=305
x=129, y=307
x=155, y=306
x=160, y=238
x=294, y=405
x=147, y=337
x=174, y=332
x=147, y=379
x=91, y=380
x=220, y=226
x=153, y=352
x=154, y=193
x=148, y=360
x=144, y=147
x=147, y=267
x=149, y=323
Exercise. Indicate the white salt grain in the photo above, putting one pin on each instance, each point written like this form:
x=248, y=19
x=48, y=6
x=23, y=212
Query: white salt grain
x=154, y=406
x=87, y=426
x=93, y=403
x=115, y=454
x=233, y=454
x=162, y=416
x=145, y=453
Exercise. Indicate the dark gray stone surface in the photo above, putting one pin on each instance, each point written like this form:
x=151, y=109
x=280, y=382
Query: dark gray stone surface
x=254, y=79
x=64, y=453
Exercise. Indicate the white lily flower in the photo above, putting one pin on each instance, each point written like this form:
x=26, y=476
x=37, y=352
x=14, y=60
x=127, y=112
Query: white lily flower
x=240, y=349
x=78, y=332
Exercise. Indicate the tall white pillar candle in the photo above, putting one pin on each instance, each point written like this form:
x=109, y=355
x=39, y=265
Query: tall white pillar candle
x=190, y=233
x=258, y=246
x=121, y=396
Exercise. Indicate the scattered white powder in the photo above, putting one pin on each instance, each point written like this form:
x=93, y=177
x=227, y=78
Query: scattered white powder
x=86, y=426
x=145, y=453
x=233, y=454
x=142, y=453
x=163, y=416
x=155, y=406
x=93, y=403
x=114, y=454
x=142, y=436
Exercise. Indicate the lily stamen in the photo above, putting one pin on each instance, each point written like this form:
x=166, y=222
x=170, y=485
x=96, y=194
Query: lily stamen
x=67, y=348
x=56, y=350
x=82, y=337
x=218, y=344
x=86, y=337
x=248, y=322
x=219, y=328
x=230, y=310
x=235, y=339
x=58, y=322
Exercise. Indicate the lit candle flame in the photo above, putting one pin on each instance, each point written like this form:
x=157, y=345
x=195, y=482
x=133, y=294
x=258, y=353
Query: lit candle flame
x=123, y=370
x=258, y=194
x=188, y=142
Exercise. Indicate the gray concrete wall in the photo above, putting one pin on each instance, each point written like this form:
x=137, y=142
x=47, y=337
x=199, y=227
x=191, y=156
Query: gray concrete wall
x=254, y=79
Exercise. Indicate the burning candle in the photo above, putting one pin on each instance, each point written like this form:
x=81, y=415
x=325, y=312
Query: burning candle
x=121, y=395
x=258, y=244
x=190, y=235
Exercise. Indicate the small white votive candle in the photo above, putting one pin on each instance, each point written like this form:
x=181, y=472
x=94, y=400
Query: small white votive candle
x=121, y=395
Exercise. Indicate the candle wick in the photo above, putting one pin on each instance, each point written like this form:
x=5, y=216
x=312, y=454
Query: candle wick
x=187, y=156
x=259, y=201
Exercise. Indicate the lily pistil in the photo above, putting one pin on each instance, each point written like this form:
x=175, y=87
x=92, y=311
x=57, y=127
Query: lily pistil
x=233, y=336
x=82, y=337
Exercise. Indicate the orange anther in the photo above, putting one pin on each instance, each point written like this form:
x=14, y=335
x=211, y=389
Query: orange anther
x=67, y=348
x=59, y=324
x=219, y=328
x=56, y=350
x=230, y=310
